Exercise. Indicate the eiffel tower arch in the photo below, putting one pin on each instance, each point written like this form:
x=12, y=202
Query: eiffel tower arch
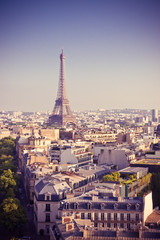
x=62, y=114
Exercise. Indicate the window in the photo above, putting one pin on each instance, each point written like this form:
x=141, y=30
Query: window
x=75, y=205
x=95, y=216
x=109, y=216
x=108, y=225
x=102, y=216
x=82, y=215
x=121, y=225
x=88, y=205
x=128, y=226
x=48, y=198
x=89, y=215
x=128, y=216
x=115, y=205
x=95, y=224
x=102, y=205
x=115, y=216
x=56, y=169
x=47, y=207
x=122, y=216
x=115, y=225
x=128, y=206
x=67, y=206
x=103, y=225
x=137, y=217
x=47, y=217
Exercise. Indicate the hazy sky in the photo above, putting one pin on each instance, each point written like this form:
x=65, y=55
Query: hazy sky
x=112, y=50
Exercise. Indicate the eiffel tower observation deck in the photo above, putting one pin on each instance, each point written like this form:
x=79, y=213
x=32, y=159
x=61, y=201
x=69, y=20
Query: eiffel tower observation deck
x=62, y=114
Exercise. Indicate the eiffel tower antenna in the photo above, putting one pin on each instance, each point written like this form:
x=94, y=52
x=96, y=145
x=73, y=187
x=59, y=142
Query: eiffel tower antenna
x=62, y=114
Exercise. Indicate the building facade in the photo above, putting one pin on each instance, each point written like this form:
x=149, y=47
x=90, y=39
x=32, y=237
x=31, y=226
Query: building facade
x=108, y=211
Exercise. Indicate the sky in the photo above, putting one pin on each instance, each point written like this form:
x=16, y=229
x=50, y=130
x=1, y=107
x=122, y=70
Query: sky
x=112, y=50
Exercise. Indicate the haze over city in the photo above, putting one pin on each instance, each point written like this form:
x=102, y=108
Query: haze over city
x=112, y=53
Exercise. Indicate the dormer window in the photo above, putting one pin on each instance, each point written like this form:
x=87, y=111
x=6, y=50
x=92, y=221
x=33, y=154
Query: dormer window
x=102, y=205
x=137, y=206
x=62, y=205
x=115, y=205
x=75, y=205
x=88, y=205
x=128, y=206
x=67, y=206
x=48, y=197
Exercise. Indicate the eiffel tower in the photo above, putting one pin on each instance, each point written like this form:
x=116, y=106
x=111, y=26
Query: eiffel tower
x=62, y=114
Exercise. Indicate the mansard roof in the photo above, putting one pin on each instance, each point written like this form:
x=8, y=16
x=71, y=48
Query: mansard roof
x=51, y=186
x=104, y=202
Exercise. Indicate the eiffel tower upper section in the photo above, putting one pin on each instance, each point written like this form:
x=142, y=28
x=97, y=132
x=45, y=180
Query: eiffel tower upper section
x=62, y=114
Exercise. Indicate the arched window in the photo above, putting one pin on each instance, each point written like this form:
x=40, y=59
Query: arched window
x=48, y=196
x=88, y=205
x=102, y=205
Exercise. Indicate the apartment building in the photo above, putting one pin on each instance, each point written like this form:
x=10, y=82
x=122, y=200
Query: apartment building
x=51, y=189
x=78, y=155
x=108, y=212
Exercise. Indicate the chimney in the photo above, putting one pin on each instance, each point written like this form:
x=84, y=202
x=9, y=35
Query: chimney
x=94, y=198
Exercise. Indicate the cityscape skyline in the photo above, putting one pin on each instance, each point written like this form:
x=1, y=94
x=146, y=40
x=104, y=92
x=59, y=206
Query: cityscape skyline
x=112, y=54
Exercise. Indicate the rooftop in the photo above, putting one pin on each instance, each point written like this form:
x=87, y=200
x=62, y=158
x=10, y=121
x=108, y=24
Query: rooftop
x=154, y=217
x=149, y=161
x=133, y=170
x=94, y=197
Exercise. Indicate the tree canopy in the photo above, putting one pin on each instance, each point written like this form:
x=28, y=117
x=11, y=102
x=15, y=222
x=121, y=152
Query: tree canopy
x=12, y=213
x=7, y=146
x=113, y=177
x=7, y=182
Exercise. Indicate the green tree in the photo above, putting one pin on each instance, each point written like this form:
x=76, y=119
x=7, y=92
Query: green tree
x=108, y=177
x=7, y=146
x=7, y=164
x=7, y=181
x=114, y=177
x=12, y=213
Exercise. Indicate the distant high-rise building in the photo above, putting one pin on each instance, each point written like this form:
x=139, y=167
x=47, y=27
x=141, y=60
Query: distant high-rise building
x=62, y=114
x=154, y=115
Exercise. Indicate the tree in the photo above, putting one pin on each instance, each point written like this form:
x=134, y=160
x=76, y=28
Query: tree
x=7, y=164
x=12, y=213
x=7, y=146
x=7, y=181
x=114, y=177
x=108, y=177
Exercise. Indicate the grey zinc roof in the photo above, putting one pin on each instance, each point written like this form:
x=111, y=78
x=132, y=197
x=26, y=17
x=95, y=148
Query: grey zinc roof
x=97, y=205
x=53, y=186
x=108, y=202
